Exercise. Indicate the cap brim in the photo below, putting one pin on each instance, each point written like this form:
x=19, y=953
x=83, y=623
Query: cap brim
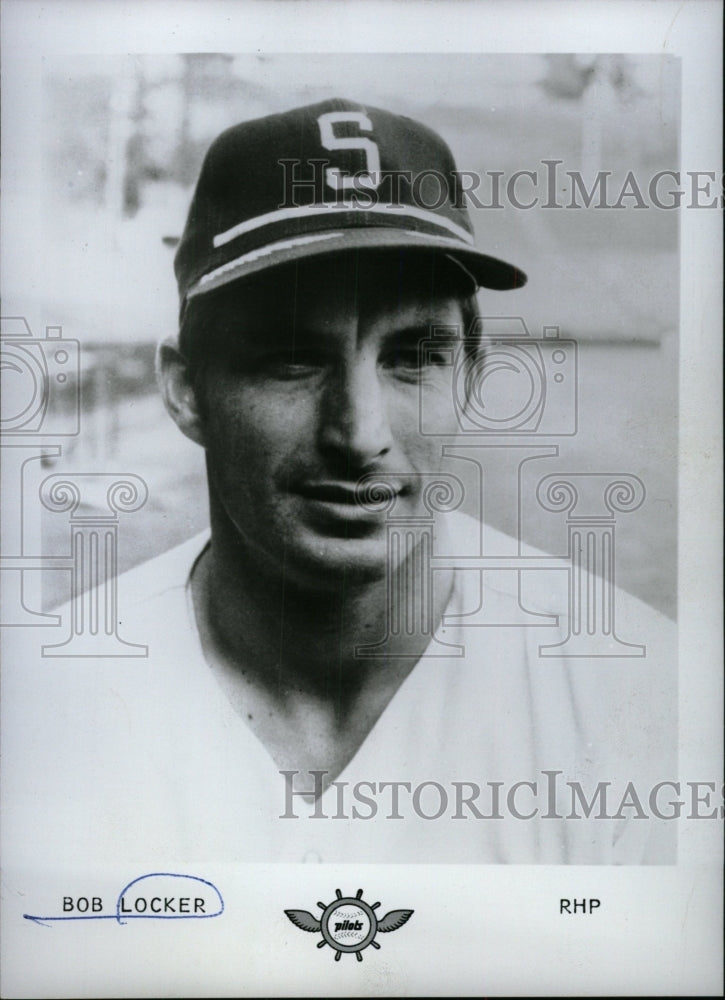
x=486, y=271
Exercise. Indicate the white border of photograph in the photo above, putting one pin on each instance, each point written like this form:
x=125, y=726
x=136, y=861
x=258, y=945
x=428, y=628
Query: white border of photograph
x=660, y=931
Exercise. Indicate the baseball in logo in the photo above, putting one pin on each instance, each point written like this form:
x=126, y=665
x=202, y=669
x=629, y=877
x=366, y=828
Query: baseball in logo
x=348, y=923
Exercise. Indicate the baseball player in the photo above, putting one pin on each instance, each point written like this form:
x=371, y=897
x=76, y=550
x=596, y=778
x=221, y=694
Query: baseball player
x=312, y=690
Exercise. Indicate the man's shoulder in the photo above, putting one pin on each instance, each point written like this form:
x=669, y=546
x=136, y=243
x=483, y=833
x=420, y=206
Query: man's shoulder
x=163, y=573
x=153, y=590
x=542, y=580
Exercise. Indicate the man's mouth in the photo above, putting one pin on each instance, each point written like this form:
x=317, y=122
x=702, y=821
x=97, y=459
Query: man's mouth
x=343, y=500
x=344, y=493
x=368, y=495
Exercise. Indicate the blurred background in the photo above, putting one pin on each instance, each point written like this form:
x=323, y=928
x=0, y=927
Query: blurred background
x=123, y=142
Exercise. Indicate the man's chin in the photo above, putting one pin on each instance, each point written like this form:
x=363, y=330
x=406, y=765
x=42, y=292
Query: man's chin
x=327, y=564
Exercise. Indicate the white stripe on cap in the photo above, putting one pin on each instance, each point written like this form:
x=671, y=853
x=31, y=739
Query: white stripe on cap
x=303, y=211
x=297, y=241
x=249, y=258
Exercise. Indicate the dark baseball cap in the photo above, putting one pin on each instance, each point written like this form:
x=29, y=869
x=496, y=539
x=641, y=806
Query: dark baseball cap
x=322, y=179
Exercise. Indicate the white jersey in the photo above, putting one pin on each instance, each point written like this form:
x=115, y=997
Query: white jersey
x=481, y=757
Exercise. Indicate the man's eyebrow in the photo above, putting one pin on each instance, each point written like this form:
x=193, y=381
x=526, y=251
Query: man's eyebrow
x=287, y=333
x=419, y=330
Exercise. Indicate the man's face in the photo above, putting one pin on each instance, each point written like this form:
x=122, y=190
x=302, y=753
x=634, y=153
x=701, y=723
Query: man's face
x=320, y=383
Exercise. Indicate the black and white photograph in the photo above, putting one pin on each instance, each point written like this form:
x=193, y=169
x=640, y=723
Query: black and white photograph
x=360, y=446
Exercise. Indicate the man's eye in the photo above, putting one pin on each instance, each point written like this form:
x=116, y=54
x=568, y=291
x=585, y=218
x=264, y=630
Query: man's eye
x=439, y=359
x=404, y=359
x=412, y=360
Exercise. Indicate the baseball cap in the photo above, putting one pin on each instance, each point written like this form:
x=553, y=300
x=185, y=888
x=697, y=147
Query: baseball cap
x=321, y=179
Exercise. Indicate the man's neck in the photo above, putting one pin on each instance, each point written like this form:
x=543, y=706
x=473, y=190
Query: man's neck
x=289, y=657
x=283, y=633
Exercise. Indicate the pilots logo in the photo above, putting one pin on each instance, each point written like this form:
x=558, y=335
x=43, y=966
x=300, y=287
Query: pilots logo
x=348, y=924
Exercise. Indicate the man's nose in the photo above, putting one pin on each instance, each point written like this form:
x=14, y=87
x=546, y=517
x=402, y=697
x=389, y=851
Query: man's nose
x=355, y=421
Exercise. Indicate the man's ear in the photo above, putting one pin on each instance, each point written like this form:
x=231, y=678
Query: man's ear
x=177, y=390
